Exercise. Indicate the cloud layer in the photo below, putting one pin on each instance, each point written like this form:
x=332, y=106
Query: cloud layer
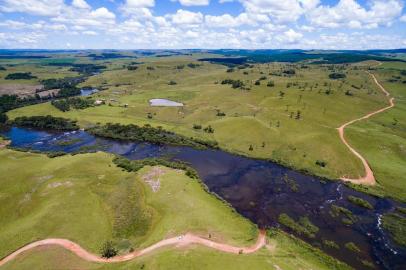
x=308, y=24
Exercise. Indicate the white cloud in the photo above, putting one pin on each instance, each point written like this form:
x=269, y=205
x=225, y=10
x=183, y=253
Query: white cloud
x=102, y=13
x=187, y=17
x=403, y=18
x=80, y=4
x=139, y=3
x=35, y=7
x=290, y=36
x=228, y=21
x=280, y=10
x=90, y=33
x=349, y=13
x=194, y=2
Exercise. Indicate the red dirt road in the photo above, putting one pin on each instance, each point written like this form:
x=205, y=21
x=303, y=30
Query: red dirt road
x=179, y=241
x=368, y=178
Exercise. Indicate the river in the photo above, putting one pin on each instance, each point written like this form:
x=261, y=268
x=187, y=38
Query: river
x=259, y=190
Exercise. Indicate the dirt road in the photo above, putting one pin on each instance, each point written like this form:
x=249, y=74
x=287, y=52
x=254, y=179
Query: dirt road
x=368, y=178
x=179, y=241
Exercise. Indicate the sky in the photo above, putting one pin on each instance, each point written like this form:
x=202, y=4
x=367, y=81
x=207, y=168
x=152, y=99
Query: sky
x=203, y=24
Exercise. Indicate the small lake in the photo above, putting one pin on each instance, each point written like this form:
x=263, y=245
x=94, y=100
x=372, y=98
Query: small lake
x=259, y=190
x=88, y=91
x=161, y=102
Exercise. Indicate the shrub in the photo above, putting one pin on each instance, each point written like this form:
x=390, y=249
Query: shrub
x=353, y=247
x=148, y=134
x=270, y=84
x=20, y=76
x=132, y=67
x=360, y=202
x=3, y=118
x=321, y=163
x=289, y=72
x=197, y=126
x=335, y=76
x=331, y=244
x=304, y=226
x=172, y=83
x=108, y=250
x=395, y=224
x=46, y=122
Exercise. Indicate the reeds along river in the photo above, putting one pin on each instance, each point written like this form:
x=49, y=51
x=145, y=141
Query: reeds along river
x=261, y=191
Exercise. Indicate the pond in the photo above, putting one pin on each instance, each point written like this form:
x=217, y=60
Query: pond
x=161, y=102
x=88, y=91
x=259, y=190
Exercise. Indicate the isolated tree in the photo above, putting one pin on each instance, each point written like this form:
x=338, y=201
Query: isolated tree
x=108, y=250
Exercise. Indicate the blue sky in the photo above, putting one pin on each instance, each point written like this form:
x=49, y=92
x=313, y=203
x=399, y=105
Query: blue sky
x=177, y=24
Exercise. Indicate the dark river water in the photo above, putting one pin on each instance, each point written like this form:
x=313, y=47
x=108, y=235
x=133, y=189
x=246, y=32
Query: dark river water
x=259, y=190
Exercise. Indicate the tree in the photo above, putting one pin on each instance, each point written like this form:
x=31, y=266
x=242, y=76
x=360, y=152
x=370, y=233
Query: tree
x=298, y=115
x=270, y=84
x=3, y=118
x=108, y=250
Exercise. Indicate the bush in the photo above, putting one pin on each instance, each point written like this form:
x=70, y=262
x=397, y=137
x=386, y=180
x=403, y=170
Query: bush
x=321, y=163
x=395, y=224
x=270, y=84
x=304, y=226
x=331, y=244
x=46, y=122
x=136, y=165
x=353, y=247
x=360, y=202
x=20, y=76
x=132, y=67
x=3, y=118
x=335, y=76
x=108, y=250
x=234, y=83
x=289, y=72
x=197, y=126
x=148, y=134
x=171, y=83
x=75, y=103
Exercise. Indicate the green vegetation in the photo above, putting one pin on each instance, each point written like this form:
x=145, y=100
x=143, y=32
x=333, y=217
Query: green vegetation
x=395, y=224
x=20, y=76
x=108, y=250
x=148, y=134
x=45, y=122
x=260, y=115
x=136, y=165
x=304, y=226
x=234, y=83
x=353, y=247
x=75, y=103
x=360, y=202
x=336, y=76
x=348, y=219
x=331, y=244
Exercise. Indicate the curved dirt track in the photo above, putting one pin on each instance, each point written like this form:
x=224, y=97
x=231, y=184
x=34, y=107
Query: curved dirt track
x=179, y=241
x=368, y=178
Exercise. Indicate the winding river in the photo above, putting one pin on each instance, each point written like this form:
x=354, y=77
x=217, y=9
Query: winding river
x=259, y=190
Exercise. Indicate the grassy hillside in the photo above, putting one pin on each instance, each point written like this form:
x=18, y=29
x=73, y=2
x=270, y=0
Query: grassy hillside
x=86, y=199
x=294, y=122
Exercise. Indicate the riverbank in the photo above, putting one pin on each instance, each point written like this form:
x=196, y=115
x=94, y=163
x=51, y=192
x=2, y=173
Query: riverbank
x=101, y=194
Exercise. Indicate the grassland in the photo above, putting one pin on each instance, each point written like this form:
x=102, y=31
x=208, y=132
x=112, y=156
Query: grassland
x=262, y=117
x=86, y=199
x=382, y=138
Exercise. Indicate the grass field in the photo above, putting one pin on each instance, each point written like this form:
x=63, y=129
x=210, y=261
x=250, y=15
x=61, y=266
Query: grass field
x=86, y=199
x=264, y=117
x=382, y=138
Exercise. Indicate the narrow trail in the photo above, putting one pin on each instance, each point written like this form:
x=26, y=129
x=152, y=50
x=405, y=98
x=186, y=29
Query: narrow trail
x=179, y=241
x=368, y=178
